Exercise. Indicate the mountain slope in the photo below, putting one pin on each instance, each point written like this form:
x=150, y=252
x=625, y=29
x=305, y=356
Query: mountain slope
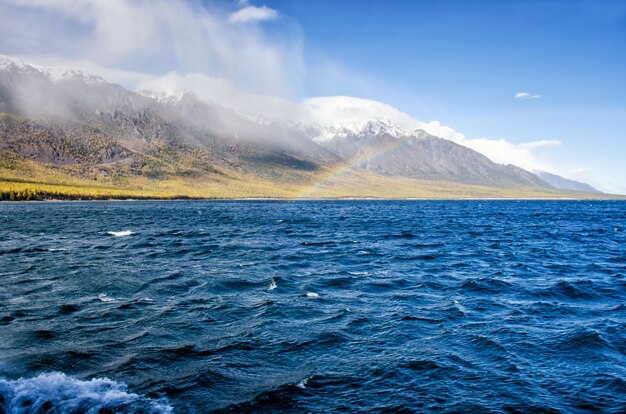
x=225, y=132
x=562, y=183
x=58, y=116
x=73, y=133
x=389, y=150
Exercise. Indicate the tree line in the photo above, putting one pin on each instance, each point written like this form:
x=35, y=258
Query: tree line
x=23, y=195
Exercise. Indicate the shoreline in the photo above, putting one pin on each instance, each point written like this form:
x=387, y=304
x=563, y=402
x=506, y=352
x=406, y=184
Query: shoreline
x=72, y=200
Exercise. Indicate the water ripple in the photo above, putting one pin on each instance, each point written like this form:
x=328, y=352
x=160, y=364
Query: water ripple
x=343, y=306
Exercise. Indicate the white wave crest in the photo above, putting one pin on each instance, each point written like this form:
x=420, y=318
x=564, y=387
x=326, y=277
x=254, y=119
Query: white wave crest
x=59, y=393
x=302, y=384
x=272, y=285
x=105, y=298
x=120, y=233
x=312, y=295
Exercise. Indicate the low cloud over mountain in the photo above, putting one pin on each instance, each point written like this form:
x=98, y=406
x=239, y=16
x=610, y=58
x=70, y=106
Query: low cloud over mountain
x=65, y=117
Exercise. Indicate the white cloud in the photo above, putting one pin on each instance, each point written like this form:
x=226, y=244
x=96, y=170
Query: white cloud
x=526, y=95
x=157, y=37
x=251, y=14
x=342, y=109
x=225, y=93
x=334, y=110
x=525, y=154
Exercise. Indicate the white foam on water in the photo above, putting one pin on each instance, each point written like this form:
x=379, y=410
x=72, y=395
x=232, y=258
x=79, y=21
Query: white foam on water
x=460, y=307
x=60, y=249
x=120, y=233
x=302, y=384
x=272, y=285
x=105, y=298
x=59, y=393
x=312, y=295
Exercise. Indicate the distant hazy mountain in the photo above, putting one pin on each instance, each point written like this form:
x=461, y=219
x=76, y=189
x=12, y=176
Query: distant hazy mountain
x=561, y=183
x=66, y=117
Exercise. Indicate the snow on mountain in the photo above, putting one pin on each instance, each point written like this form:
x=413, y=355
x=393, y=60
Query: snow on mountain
x=10, y=64
x=360, y=129
x=55, y=74
x=60, y=74
x=165, y=97
x=330, y=117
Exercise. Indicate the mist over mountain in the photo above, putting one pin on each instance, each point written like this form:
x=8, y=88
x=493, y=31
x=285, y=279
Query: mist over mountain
x=61, y=115
x=66, y=117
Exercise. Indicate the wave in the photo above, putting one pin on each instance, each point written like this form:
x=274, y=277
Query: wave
x=581, y=342
x=302, y=384
x=122, y=233
x=272, y=285
x=578, y=289
x=276, y=398
x=60, y=393
x=403, y=235
x=487, y=285
x=319, y=243
x=103, y=297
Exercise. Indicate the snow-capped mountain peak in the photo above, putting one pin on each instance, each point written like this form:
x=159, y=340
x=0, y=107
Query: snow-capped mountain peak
x=169, y=97
x=11, y=64
x=60, y=74
x=55, y=74
x=368, y=128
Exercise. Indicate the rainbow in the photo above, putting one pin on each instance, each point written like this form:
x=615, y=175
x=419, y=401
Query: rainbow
x=356, y=162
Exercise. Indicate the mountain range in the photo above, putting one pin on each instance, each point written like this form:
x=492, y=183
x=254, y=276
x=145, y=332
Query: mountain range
x=65, y=133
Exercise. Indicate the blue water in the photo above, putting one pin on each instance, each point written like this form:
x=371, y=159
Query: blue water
x=344, y=306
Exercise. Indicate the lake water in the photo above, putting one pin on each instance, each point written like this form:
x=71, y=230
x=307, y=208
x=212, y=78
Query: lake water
x=320, y=306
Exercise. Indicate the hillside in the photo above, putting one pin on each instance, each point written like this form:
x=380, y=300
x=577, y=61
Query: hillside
x=386, y=149
x=66, y=134
x=562, y=183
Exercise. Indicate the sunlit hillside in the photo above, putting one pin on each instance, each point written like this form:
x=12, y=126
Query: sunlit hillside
x=22, y=179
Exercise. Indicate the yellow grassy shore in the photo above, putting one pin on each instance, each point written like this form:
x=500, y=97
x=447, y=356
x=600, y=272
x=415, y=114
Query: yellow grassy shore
x=29, y=180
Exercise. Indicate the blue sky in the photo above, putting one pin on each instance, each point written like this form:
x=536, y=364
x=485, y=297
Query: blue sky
x=458, y=64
